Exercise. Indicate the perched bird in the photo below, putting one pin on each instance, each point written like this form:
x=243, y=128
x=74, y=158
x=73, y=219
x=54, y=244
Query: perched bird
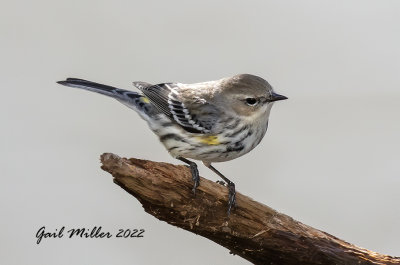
x=213, y=121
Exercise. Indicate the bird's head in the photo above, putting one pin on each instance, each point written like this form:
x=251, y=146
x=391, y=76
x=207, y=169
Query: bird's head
x=248, y=95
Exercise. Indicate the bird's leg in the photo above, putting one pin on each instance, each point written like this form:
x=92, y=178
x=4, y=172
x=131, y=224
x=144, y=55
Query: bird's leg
x=194, y=170
x=231, y=187
x=220, y=182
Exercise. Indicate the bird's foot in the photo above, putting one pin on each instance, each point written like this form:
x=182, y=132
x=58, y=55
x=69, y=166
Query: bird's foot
x=195, y=176
x=194, y=171
x=220, y=182
x=231, y=197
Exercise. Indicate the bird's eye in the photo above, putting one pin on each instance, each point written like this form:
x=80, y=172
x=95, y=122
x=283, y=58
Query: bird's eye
x=251, y=101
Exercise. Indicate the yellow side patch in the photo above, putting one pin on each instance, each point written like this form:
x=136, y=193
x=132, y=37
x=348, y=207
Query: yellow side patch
x=210, y=139
x=145, y=100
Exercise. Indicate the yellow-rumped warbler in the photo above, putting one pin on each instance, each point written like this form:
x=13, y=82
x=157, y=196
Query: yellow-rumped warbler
x=212, y=121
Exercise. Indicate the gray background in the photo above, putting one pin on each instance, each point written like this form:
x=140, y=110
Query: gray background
x=330, y=158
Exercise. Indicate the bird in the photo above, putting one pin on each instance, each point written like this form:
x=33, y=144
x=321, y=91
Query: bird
x=213, y=121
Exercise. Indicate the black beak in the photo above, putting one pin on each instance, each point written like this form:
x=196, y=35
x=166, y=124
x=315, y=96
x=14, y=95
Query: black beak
x=276, y=97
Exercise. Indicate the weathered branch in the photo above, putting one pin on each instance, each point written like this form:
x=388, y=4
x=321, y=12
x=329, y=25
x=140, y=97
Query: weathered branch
x=253, y=231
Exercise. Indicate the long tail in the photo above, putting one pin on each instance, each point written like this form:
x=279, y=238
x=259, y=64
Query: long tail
x=131, y=99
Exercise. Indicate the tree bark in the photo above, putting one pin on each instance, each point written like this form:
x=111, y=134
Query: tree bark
x=253, y=231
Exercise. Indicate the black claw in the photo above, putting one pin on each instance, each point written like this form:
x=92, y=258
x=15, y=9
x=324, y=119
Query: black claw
x=194, y=171
x=195, y=176
x=232, y=197
x=220, y=182
x=231, y=188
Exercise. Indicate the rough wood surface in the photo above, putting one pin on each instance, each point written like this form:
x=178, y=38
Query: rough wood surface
x=253, y=231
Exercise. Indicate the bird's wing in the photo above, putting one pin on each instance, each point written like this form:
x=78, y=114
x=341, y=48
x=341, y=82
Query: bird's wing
x=194, y=117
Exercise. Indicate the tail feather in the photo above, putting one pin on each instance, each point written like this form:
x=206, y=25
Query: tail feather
x=131, y=99
x=95, y=87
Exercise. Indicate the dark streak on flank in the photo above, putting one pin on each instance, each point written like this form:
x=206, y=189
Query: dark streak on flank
x=192, y=149
x=237, y=147
x=211, y=152
x=167, y=124
x=172, y=136
x=172, y=148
